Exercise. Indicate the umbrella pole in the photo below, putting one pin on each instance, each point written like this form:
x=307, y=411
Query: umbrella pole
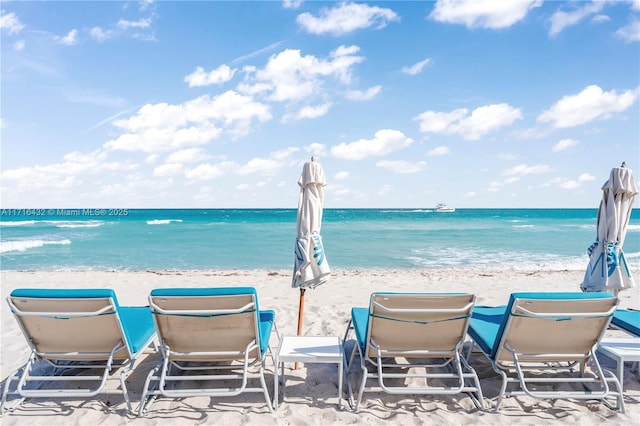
x=300, y=311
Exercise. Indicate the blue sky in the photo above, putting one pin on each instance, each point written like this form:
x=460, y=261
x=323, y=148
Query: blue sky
x=479, y=103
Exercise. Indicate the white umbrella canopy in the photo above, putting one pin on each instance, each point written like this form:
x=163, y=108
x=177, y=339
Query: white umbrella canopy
x=310, y=267
x=608, y=269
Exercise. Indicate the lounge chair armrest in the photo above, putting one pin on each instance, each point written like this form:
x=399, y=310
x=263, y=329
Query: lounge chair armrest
x=518, y=308
x=156, y=309
x=66, y=314
x=465, y=308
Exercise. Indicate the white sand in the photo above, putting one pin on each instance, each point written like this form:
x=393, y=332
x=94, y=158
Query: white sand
x=311, y=391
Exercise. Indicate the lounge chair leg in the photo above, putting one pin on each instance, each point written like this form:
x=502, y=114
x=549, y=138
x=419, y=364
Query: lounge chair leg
x=363, y=381
x=266, y=393
x=147, y=393
x=125, y=392
x=5, y=392
x=470, y=350
x=503, y=389
x=617, y=392
x=349, y=388
x=478, y=398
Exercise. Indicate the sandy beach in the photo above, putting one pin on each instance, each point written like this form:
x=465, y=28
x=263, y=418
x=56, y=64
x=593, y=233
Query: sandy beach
x=311, y=391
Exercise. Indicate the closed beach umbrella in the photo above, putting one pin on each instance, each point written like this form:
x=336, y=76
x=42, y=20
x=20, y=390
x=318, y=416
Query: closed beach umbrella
x=608, y=269
x=310, y=267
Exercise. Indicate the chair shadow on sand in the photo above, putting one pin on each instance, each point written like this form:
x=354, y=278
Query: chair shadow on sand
x=67, y=406
x=558, y=409
x=194, y=408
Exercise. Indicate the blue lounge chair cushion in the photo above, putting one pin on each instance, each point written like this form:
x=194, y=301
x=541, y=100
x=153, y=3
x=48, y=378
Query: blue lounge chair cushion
x=136, y=321
x=484, y=325
x=138, y=326
x=266, y=318
x=627, y=320
x=360, y=320
x=487, y=324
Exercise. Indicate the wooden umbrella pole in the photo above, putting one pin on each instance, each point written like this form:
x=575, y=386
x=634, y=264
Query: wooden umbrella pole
x=300, y=311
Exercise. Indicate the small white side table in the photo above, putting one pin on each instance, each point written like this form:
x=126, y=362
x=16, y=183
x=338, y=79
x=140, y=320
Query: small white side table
x=621, y=350
x=309, y=349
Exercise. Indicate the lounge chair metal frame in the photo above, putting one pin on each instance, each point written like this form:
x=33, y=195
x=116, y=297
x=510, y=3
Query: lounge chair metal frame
x=162, y=381
x=453, y=367
x=103, y=363
x=515, y=360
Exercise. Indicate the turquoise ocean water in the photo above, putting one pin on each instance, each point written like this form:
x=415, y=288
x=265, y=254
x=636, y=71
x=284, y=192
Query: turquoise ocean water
x=180, y=239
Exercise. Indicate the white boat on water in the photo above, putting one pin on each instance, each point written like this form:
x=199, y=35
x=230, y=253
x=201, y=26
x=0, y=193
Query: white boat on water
x=443, y=208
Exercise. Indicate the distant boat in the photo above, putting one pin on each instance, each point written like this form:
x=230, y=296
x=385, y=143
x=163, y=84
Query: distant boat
x=443, y=208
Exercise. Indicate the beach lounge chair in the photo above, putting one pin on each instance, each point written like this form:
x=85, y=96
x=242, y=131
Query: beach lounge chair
x=416, y=337
x=84, y=334
x=623, y=349
x=213, y=342
x=627, y=320
x=541, y=342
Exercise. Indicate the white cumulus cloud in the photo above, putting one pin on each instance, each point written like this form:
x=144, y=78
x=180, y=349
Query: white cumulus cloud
x=586, y=177
x=525, y=169
x=163, y=127
x=363, y=95
x=591, y=103
x=188, y=155
x=99, y=34
x=70, y=39
x=630, y=32
x=483, y=13
x=10, y=22
x=209, y=171
x=169, y=170
x=66, y=174
x=308, y=112
x=480, y=122
x=341, y=175
x=384, y=142
x=200, y=77
x=439, y=150
x=346, y=18
x=290, y=76
x=565, y=183
x=141, y=23
x=564, y=145
x=401, y=166
x=561, y=19
x=416, y=68
x=291, y=4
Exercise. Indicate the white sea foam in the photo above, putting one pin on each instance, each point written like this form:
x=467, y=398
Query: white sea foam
x=494, y=259
x=17, y=223
x=576, y=226
x=632, y=255
x=80, y=224
x=633, y=228
x=56, y=223
x=24, y=245
x=163, y=221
